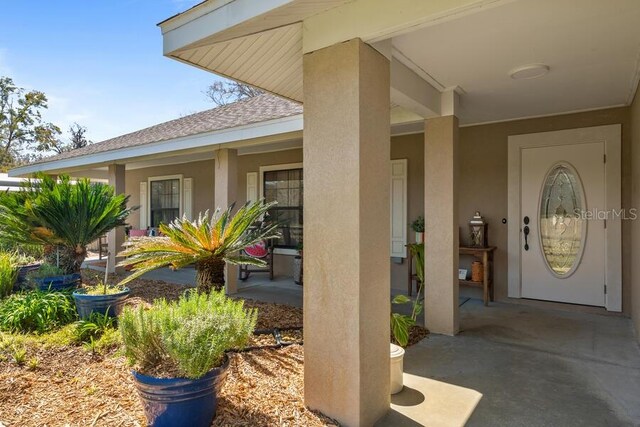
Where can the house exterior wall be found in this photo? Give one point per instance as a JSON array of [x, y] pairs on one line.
[[203, 182], [635, 202], [483, 187]]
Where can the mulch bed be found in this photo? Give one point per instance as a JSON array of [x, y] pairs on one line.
[[70, 386]]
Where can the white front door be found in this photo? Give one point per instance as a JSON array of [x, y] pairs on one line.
[[563, 245], [564, 224]]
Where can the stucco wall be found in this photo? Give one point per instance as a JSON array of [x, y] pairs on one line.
[[201, 172], [635, 201], [483, 179]]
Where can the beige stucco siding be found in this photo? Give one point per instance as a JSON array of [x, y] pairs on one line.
[[635, 202], [201, 172], [483, 185]]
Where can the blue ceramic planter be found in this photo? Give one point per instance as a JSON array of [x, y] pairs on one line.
[[58, 283], [111, 304], [180, 402]]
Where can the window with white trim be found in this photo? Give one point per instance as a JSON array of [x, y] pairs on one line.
[[164, 200], [286, 187]]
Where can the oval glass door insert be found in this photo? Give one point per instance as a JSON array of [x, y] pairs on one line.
[[562, 227]]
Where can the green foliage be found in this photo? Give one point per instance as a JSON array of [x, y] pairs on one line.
[[8, 273], [93, 327], [102, 288], [401, 324], [36, 311], [61, 214], [202, 242], [188, 337], [418, 224], [19, 354], [45, 270], [33, 363], [21, 124]]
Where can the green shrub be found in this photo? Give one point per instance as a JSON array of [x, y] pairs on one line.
[[36, 311], [103, 289], [8, 273], [185, 338], [45, 270], [94, 327]]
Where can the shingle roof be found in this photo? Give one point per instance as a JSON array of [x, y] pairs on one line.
[[247, 111]]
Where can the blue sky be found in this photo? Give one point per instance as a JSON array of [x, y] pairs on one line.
[[99, 62]]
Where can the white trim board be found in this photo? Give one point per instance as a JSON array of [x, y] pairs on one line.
[[611, 136]]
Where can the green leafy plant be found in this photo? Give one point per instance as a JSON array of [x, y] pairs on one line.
[[185, 338], [19, 355], [36, 311], [102, 288], [62, 216], [208, 242], [33, 363], [401, 324], [418, 224], [45, 270], [93, 327], [8, 273]]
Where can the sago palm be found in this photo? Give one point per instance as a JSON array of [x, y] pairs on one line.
[[208, 243], [62, 215]]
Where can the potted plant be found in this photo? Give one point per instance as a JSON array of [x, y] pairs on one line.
[[178, 353], [401, 324], [52, 278], [297, 266], [26, 263], [61, 216], [418, 226], [101, 298], [208, 242]]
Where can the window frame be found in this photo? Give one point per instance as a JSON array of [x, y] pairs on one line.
[[272, 168], [151, 179]]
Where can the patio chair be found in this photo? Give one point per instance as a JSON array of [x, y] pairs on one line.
[[262, 250]]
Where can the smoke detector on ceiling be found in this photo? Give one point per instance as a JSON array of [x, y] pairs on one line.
[[531, 71]]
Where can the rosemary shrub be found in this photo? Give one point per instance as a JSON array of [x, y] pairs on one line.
[[185, 338]]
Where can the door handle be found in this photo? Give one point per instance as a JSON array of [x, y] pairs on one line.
[[526, 232]]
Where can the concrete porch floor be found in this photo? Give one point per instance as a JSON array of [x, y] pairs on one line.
[[533, 366], [511, 365]]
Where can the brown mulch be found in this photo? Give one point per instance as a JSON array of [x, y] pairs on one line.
[[264, 387]]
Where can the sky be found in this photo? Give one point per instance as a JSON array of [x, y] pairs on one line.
[[100, 62]]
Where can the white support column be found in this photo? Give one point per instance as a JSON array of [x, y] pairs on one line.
[[226, 187], [441, 224], [346, 232], [115, 238]]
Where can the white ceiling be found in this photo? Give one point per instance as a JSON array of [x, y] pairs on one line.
[[591, 46]]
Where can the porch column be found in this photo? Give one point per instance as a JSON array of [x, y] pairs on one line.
[[346, 232], [226, 187], [441, 224], [115, 238]]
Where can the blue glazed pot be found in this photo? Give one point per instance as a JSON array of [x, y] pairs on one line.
[[111, 304], [181, 402], [58, 283]]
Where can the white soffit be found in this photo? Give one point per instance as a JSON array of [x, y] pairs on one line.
[[271, 60], [592, 48]]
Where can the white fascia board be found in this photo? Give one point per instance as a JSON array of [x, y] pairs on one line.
[[374, 20], [413, 92], [252, 131], [183, 31]]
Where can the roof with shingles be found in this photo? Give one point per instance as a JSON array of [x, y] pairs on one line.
[[258, 109]]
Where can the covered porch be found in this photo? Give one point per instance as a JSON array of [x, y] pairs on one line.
[[471, 75]]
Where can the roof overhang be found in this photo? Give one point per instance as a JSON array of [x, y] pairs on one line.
[[283, 129]]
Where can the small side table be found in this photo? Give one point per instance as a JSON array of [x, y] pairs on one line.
[[485, 255]]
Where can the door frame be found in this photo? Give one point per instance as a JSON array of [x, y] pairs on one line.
[[611, 136]]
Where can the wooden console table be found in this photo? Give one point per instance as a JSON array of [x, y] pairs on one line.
[[485, 255]]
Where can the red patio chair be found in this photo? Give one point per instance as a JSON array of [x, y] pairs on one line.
[[262, 250]]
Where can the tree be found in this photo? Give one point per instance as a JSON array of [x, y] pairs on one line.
[[21, 124], [208, 243], [62, 216], [225, 92], [77, 139]]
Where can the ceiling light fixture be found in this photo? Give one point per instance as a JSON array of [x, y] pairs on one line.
[[530, 71]]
